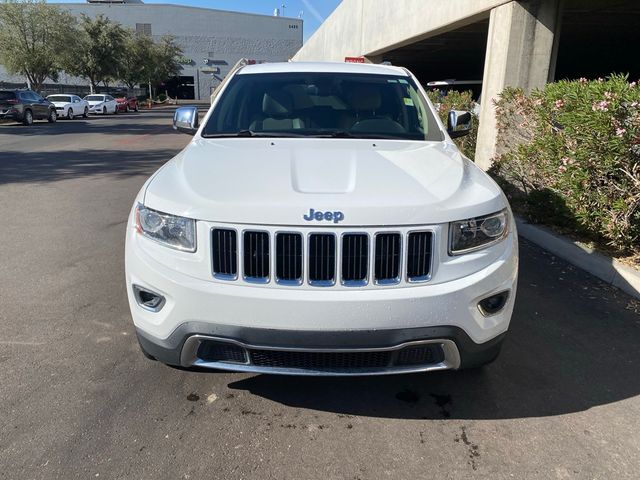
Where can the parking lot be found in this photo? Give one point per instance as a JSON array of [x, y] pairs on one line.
[[78, 399]]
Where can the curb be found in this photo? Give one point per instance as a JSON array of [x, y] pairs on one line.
[[607, 269]]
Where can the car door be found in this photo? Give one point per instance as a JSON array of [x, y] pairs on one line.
[[30, 102], [109, 103], [78, 107], [40, 105]]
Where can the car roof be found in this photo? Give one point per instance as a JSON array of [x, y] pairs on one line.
[[323, 67]]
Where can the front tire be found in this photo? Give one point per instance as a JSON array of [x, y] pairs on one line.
[[104, 110], [27, 118], [86, 112], [136, 108], [53, 116], [70, 114]]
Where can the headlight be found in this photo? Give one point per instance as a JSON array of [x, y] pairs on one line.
[[476, 233], [172, 231]]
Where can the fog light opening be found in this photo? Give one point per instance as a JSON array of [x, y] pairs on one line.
[[493, 304], [148, 299]]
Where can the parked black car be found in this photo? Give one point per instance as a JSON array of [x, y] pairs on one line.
[[26, 106]]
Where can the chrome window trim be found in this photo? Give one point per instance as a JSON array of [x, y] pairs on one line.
[[367, 278], [223, 276], [279, 281], [388, 281], [257, 280], [424, 278], [321, 283]]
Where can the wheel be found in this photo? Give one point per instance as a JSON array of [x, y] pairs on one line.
[[115, 110], [53, 116], [86, 112], [126, 109], [70, 114], [136, 108], [27, 118], [104, 110]]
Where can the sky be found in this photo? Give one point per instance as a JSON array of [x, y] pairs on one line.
[[313, 11]]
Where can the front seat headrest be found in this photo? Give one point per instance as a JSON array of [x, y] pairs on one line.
[[277, 103], [365, 98]]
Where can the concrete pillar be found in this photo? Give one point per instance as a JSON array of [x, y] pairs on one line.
[[520, 44]]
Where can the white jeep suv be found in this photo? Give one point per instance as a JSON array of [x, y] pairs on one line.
[[321, 222]]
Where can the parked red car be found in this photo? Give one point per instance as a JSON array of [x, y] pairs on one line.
[[127, 104]]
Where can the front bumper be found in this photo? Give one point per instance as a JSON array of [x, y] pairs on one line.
[[317, 321], [11, 115]]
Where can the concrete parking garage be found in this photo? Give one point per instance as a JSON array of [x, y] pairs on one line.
[[523, 43]]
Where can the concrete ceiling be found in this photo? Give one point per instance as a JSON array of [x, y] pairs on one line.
[[597, 37]]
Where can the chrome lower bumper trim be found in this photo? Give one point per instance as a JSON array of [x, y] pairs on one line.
[[189, 358]]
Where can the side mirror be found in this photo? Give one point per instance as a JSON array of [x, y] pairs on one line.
[[185, 120], [459, 123]]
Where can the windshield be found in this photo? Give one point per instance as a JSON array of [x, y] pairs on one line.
[[59, 98], [94, 98], [323, 104]]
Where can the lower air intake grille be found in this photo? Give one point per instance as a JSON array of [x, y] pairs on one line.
[[420, 355], [387, 259], [221, 352], [289, 257], [320, 360], [419, 256], [225, 253]]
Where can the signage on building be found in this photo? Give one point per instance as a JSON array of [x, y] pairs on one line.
[[354, 59]]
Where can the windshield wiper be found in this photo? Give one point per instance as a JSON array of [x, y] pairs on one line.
[[369, 136], [252, 133]]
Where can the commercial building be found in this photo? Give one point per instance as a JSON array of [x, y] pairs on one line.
[[212, 40], [520, 43]]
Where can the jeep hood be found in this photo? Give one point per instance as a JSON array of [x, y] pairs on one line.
[[277, 181]]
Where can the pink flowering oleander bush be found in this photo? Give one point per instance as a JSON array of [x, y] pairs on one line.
[[569, 156], [458, 101]]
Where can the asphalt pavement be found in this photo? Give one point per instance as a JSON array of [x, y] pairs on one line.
[[78, 399]]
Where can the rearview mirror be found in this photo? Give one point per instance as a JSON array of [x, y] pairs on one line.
[[185, 120], [459, 123]]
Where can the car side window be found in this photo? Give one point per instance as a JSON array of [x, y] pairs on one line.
[[109, 98]]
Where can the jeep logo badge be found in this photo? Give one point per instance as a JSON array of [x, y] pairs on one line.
[[335, 217]]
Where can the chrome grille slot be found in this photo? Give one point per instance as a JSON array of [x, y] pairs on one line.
[[256, 256], [225, 253], [322, 259], [355, 258], [419, 256], [387, 258], [289, 258]]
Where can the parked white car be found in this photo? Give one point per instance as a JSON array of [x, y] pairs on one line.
[[102, 104], [69, 106], [321, 222]]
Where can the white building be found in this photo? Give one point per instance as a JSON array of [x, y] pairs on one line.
[[212, 40]]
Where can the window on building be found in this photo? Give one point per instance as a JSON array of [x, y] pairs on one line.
[[143, 28]]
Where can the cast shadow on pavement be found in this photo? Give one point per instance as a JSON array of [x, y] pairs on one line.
[[34, 167], [572, 346]]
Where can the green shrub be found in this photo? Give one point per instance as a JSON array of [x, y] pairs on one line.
[[569, 155], [458, 101], [162, 97]]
